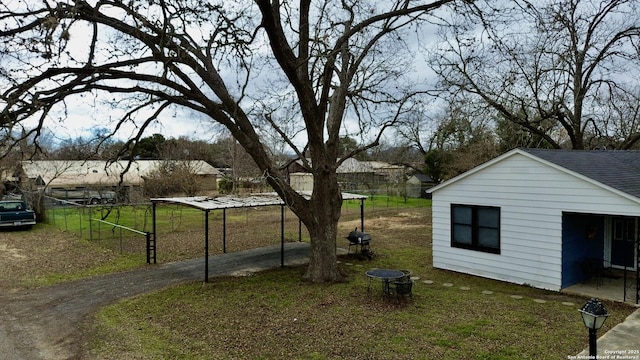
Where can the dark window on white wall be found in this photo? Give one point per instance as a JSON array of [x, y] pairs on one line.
[[475, 228]]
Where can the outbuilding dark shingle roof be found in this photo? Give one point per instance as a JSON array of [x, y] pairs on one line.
[[423, 178], [619, 169]]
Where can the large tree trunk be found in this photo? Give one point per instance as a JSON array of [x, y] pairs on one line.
[[323, 257], [322, 222]]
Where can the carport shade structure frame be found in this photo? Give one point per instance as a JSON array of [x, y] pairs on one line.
[[208, 204]]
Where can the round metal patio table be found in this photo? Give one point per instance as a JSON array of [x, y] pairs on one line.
[[384, 275]]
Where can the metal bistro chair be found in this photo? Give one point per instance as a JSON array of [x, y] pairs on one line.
[[403, 288], [407, 275], [596, 269]]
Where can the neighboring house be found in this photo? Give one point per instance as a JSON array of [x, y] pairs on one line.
[[537, 217], [417, 186], [353, 175], [379, 168], [66, 177]]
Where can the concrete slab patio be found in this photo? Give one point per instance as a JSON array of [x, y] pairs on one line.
[[611, 288]]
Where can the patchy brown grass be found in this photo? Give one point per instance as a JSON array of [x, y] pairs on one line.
[[26, 255], [276, 315], [45, 254]]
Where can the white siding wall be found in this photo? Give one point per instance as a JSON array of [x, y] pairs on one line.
[[531, 197]]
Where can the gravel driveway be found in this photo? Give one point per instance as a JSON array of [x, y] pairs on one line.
[[43, 323]]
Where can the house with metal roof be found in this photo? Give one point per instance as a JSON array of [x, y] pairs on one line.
[[66, 179], [353, 175], [550, 219]]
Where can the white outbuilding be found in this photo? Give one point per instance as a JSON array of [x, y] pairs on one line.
[[545, 218]]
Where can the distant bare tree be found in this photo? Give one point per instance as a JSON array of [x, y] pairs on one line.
[[462, 141], [620, 114], [239, 163], [173, 178], [398, 151], [417, 126], [559, 69]]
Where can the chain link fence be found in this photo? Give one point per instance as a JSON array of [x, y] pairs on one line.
[[125, 228]]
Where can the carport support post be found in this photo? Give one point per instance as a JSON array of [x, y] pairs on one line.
[[362, 215], [206, 246], [224, 231], [281, 235]]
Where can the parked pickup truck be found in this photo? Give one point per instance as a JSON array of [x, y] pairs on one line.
[[14, 213]]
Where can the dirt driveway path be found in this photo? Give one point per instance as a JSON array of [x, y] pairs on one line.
[[43, 323]]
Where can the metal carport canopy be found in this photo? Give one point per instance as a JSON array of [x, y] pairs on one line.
[[207, 203]]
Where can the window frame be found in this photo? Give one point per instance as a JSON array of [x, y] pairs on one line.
[[475, 227]]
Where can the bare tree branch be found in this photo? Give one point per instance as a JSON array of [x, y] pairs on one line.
[[230, 62]]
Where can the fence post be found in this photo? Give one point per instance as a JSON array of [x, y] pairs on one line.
[[90, 224]]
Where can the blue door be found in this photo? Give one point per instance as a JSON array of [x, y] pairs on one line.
[[623, 238], [582, 240]]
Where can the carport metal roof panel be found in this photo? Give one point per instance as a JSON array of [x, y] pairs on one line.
[[228, 202]]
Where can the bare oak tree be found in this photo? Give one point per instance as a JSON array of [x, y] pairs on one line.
[[234, 63], [561, 69]]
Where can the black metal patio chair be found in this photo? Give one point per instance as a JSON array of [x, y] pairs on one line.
[[403, 288]]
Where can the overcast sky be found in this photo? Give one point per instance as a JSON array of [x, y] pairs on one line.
[[83, 115]]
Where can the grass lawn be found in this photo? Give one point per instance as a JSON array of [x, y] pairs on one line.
[[276, 315]]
